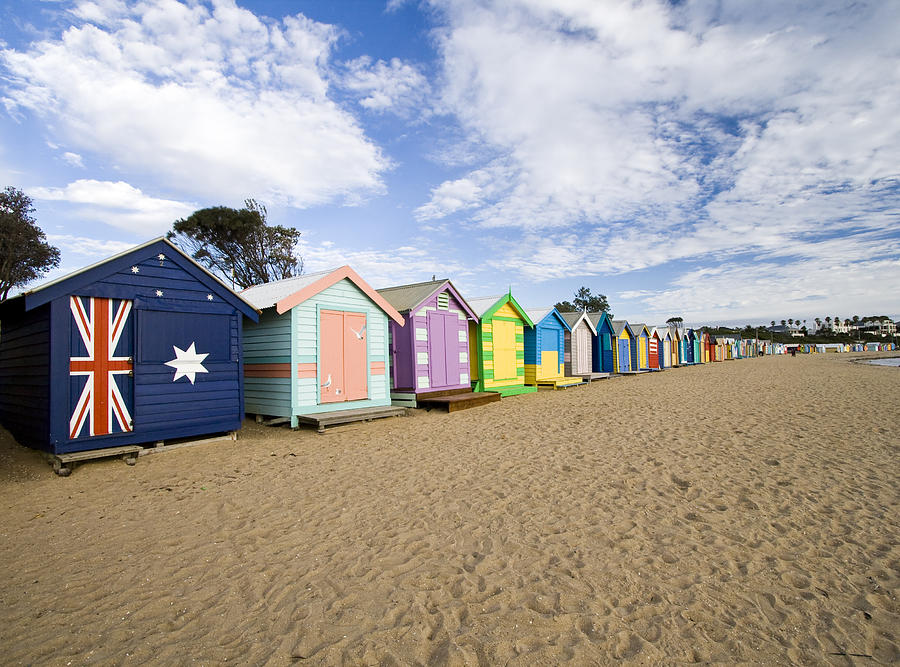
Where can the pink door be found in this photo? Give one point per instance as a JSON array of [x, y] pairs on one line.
[[343, 367], [356, 361]]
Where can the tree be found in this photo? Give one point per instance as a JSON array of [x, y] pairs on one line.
[[773, 323], [675, 320], [25, 254], [818, 323], [238, 244], [783, 322], [584, 300], [790, 322]]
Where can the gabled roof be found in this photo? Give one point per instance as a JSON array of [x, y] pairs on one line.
[[290, 292], [637, 328], [663, 331], [575, 319], [656, 331], [77, 280], [598, 318], [538, 315], [620, 325], [485, 306], [406, 298]]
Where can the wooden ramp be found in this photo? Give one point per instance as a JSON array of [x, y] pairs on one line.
[[323, 419], [456, 399], [593, 377], [63, 463], [559, 382]]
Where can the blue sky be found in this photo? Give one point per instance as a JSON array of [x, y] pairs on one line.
[[722, 161]]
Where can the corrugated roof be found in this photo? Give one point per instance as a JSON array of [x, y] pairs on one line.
[[482, 304], [268, 294], [537, 314], [572, 320], [406, 297]]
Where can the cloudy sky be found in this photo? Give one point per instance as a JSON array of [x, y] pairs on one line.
[[723, 161]]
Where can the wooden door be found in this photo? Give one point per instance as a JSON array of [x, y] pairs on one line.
[[343, 357], [443, 348], [504, 338], [583, 350], [624, 355]]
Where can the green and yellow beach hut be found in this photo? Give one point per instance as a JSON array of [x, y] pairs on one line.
[[497, 345]]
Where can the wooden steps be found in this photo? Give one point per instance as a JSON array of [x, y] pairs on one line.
[[323, 419], [560, 382], [63, 463], [592, 377], [459, 401]]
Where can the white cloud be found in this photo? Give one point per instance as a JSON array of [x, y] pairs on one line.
[[118, 204], [210, 100], [86, 247], [383, 86], [73, 159], [382, 268]]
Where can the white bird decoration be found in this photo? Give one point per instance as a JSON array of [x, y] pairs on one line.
[[359, 334], [327, 382]]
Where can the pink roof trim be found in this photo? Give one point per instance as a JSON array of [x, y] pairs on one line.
[[327, 281]]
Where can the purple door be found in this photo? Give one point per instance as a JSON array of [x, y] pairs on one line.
[[443, 348]]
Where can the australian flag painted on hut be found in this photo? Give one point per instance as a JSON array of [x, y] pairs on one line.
[[141, 347]]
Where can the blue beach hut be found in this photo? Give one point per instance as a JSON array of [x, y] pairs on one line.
[[622, 346], [545, 349], [603, 358], [144, 346]]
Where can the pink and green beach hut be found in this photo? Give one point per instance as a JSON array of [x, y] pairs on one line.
[[320, 346]]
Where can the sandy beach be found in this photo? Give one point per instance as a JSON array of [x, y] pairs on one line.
[[745, 511]]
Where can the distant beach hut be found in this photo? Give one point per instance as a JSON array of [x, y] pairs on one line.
[[640, 357], [654, 351], [430, 352], [580, 341], [698, 345], [704, 347], [320, 348], [687, 347], [665, 335], [604, 343], [141, 347], [677, 350], [545, 349], [497, 345], [622, 346]]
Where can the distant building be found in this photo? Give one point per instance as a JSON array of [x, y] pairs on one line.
[[883, 328], [788, 329]]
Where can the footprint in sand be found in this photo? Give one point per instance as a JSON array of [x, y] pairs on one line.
[[765, 602]]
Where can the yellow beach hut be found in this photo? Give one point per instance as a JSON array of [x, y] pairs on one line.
[[497, 345]]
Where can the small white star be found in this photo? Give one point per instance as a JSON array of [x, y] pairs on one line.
[[209, 297], [159, 292], [160, 257], [187, 363], [135, 269]]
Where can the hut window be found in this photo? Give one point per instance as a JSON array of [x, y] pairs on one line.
[[443, 301]]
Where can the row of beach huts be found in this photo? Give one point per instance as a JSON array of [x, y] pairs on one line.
[[149, 347]]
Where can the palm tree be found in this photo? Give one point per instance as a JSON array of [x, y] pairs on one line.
[[783, 322], [818, 323], [828, 320], [773, 323], [790, 321]]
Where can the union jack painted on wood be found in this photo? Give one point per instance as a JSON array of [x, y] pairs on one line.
[[103, 401]]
